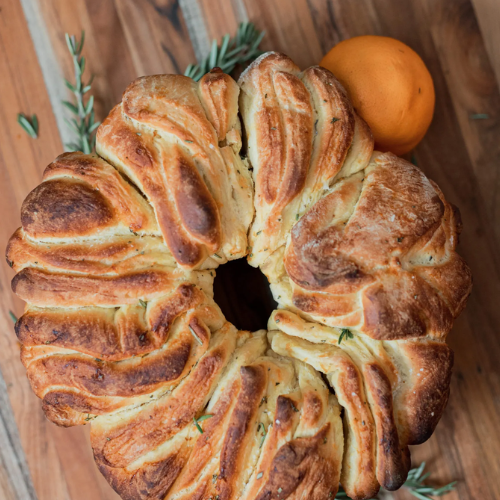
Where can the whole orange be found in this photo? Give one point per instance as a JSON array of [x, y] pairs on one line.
[[390, 88]]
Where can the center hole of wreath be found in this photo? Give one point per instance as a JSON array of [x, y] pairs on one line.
[[243, 294]]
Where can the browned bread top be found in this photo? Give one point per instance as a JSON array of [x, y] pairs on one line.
[[116, 256], [393, 394], [367, 241], [378, 254], [83, 196], [178, 141], [302, 135]]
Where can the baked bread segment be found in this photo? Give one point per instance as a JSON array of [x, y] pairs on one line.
[[83, 197], [86, 219], [273, 430], [377, 254], [113, 255], [89, 361], [393, 394], [302, 134], [367, 241], [115, 260], [179, 142]]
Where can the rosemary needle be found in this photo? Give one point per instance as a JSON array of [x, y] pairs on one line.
[[29, 126], [345, 333], [196, 422], [193, 333], [264, 433]]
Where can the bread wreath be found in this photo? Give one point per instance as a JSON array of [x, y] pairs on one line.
[[116, 256]]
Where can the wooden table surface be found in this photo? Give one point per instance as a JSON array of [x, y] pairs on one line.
[[460, 42]]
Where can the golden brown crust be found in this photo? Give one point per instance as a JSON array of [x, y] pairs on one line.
[[299, 451], [300, 129], [162, 137], [422, 399], [83, 196], [45, 289], [300, 470], [219, 96], [378, 254], [396, 390], [392, 468], [121, 329], [150, 482], [60, 207]]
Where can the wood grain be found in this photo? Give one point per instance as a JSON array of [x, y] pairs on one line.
[[16, 481], [157, 36], [489, 21], [459, 41], [289, 28], [197, 27], [23, 90], [226, 19]]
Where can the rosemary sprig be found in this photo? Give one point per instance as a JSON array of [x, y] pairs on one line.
[[345, 333], [83, 124], [415, 485], [241, 49], [196, 422], [30, 127]]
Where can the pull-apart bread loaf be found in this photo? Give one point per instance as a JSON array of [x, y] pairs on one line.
[[359, 249], [116, 258]]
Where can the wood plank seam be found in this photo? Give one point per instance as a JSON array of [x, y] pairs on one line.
[[11, 452], [196, 27], [52, 73], [241, 11]]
